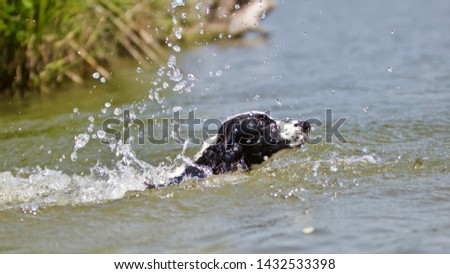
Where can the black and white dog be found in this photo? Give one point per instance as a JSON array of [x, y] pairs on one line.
[[242, 141]]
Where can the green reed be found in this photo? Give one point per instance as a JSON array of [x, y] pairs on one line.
[[44, 43]]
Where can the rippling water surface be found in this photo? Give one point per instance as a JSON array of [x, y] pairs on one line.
[[383, 66]]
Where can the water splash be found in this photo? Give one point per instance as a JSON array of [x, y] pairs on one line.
[[178, 3], [124, 171]]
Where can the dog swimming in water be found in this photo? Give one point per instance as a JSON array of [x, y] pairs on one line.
[[242, 141]]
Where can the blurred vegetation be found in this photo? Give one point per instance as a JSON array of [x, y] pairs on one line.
[[44, 42]]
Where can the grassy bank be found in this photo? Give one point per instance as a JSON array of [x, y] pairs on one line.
[[46, 42]]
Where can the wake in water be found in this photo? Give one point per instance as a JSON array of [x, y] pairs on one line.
[[32, 188]]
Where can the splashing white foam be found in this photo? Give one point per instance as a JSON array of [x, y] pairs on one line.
[[47, 187]]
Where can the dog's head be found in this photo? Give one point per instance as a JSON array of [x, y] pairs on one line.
[[295, 132]]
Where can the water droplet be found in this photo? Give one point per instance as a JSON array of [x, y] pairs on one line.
[[91, 119], [161, 71], [183, 15], [102, 80], [237, 6], [96, 75], [101, 134], [219, 72], [198, 6], [177, 3], [366, 109], [171, 63], [256, 97], [265, 158], [390, 69], [177, 108], [227, 66], [138, 69], [392, 31], [263, 15], [178, 87], [165, 85], [202, 31], [117, 111], [73, 156], [178, 33], [81, 140], [279, 102], [333, 92], [107, 104], [175, 75], [191, 77], [75, 110], [334, 168], [308, 230], [176, 48], [158, 98]]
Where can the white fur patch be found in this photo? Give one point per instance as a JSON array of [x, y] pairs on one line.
[[291, 130]]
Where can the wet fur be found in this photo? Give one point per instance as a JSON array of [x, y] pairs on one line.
[[243, 141]]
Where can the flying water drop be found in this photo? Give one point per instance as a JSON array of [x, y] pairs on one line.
[[81, 140], [178, 3], [176, 48], [117, 111], [101, 134], [177, 108]]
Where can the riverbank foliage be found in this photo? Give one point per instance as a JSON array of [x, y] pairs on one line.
[[44, 42]]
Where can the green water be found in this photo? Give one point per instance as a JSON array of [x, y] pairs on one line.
[[384, 67]]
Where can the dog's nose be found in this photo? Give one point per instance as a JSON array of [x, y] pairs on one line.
[[306, 127]]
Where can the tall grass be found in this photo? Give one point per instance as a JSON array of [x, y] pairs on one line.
[[44, 42]]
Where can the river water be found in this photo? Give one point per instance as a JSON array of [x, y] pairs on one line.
[[384, 188]]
